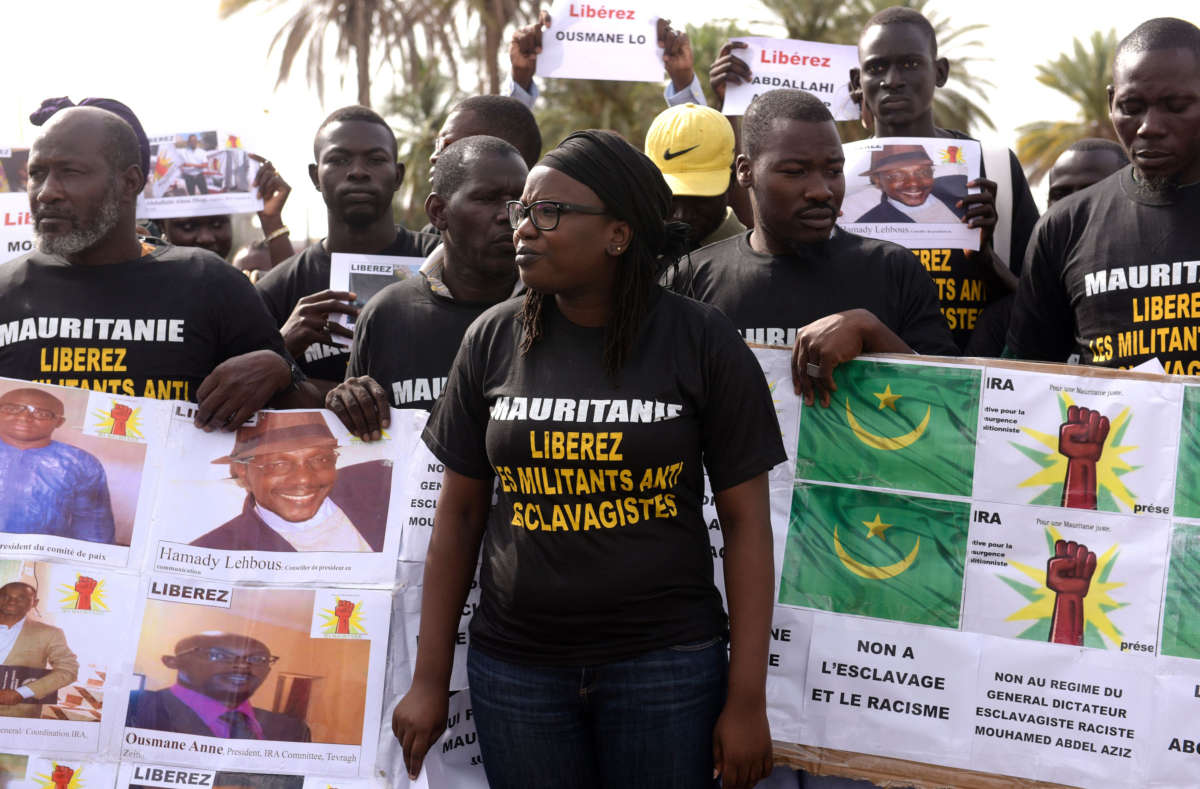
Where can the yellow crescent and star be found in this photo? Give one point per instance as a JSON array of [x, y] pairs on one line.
[[875, 528], [887, 399]]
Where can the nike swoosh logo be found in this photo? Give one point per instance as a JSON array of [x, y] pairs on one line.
[[668, 155]]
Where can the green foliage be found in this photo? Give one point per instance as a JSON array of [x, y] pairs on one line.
[[1081, 75], [417, 114], [395, 28]]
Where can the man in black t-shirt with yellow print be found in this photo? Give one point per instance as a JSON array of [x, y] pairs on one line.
[[95, 307], [899, 74], [797, 278], [1113, 273]]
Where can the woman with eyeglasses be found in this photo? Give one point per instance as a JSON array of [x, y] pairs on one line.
[[598, 653]]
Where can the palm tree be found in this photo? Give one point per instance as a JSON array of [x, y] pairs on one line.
[[494, 16], [956, 106], [417, 114], [362, 26], [1081, 75]]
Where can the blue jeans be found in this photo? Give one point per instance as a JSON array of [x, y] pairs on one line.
[[642, 723]]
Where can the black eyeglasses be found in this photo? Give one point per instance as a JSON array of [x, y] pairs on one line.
[[218, 655], [545, 213], [17, 409]]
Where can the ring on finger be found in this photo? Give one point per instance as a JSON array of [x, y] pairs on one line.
[[813, 369]]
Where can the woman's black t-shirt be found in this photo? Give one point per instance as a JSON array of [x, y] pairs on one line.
[[596, 549]]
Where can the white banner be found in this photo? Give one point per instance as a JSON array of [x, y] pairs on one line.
[[592, 40], [820, 69]]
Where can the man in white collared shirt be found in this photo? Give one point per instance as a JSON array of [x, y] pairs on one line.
[[25, 643]]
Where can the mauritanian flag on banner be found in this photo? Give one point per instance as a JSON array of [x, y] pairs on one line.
[[1181, 625], [890, 425], [875, 554]]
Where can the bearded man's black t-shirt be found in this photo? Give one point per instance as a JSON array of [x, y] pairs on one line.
[[307, 273], [406, 338], [596, 549], [770, 297], [151, 327], [1113, 275]]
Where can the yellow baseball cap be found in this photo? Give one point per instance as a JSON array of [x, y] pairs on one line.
[[693, 147]]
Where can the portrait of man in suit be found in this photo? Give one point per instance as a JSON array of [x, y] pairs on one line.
[[215, 676], [28, 644], [906, 190], [297, 499]]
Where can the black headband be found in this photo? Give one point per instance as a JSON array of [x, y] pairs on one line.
[[51, 106]]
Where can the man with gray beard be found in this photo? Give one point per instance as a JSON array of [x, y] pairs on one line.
[[1112, 274], [98, 308]]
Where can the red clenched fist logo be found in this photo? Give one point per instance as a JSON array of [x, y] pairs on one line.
[[84, 587], [342, 611], [61, 776], [120, 417], [1069, 575], [1081, 441]]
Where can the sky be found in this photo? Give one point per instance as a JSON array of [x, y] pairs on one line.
[[179, 66]]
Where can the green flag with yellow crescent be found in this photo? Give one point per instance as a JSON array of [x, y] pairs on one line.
[[1180, 625], [875, 554], [1187, 477], [904, 426]]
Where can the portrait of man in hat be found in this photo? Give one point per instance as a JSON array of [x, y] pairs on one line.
[[297, 499], [906, 189]]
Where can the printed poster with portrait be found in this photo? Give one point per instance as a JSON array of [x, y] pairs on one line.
[[62, 667], [288, 497], [77, 471], [136, 775], [907, 190], [278, 680], [16, 223], [199, 173], [43, 771], [364, 276]]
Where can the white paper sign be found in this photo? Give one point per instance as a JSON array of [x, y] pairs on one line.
[[70, 655], [1090, 443], [16, 223], [43, 771], [291, 498], [906, 190], [453, 762], [1022, 582], [315, 705], [820, 69], [364, 276], [199, 173], [594, 39], [1059, 713], [109, 450], [137, 774], [889, 689], [1173, 745]]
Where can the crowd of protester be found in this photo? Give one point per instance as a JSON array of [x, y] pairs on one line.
[[577, 286]]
